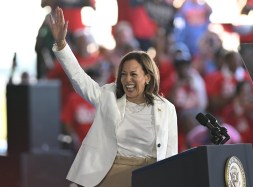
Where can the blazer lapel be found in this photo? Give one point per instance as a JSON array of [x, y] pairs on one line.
[[159, 109], [121, 102]]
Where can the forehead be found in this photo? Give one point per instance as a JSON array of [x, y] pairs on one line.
[[131, 65]]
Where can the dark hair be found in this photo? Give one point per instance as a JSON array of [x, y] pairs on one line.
[[240, 85], [149, 67], [229, 55]]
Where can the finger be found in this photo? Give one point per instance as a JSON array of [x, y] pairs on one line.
[[61, 16], [57, 15], [52, 19], [66, 25]]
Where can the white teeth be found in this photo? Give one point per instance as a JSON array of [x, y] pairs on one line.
[[129, 86]]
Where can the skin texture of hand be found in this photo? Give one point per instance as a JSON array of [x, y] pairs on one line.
[[59, 27]]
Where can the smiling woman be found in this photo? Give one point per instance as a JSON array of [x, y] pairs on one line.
[[134, 81], [127, 140]]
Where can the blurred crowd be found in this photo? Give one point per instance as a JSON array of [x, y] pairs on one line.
[[197, 74]]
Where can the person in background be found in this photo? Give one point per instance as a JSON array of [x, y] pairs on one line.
[[125, 42], [186, 122], [190, 22], [134, 126], [239, 112], [78, 114], [200, 135], [124, 37], [210, 50], [25, 78], [144, 27], [164, 61], [189, 90], [87, 59], [44, 41], [76, 29], [221, 86]]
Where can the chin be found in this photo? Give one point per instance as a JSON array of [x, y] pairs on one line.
[[129, 96]]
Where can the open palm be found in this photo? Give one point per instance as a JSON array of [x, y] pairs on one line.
[[58, 25]]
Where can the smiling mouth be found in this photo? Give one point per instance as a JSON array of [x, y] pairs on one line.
[[129, 87]]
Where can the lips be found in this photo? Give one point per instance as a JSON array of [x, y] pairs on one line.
[[130, 87]]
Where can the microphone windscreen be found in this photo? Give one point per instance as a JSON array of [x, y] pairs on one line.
[[202, 119], [211, 118]]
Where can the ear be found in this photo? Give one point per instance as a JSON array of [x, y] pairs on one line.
[[147, 78]]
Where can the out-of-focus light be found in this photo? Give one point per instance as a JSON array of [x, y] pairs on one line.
[[178, 3], [92, 48], [107, 12], [152, 52], [230, 41], [244, 19], [88, 16], [101, 21], [231, 13]]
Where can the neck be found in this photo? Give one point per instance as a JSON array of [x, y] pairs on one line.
[[136, 101]]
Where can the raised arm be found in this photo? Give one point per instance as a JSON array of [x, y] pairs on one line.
[[59, 27], [82, 83]]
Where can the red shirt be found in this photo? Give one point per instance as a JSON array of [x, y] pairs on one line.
[[167, 77], [242, 122], [66, 88], [79, 114], [74, 18], [143, 26], [219, 86], [58, 73]]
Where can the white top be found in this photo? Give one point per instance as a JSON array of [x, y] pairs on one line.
[[136, 134]]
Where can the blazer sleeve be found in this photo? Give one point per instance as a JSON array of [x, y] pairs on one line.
[[81, 82]]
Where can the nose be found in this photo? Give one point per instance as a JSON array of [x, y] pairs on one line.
[[127, 78]]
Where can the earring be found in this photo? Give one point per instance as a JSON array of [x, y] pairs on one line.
[[147, 83]]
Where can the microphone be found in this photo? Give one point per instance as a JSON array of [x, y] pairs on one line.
[[215, 131], [203, 120], [222, 129]]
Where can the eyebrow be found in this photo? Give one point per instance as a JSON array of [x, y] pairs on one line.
[[130, 71]]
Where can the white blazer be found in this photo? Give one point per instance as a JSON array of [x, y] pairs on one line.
[[99, 148]]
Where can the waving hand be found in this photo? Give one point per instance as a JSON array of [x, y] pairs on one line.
[[59, 27]]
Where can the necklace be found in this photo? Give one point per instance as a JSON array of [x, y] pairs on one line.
[[135, 108]]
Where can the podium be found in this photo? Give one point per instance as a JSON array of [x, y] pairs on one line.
[[204, 166], [33, 113]]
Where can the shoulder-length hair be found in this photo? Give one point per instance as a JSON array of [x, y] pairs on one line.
[[149, 67]]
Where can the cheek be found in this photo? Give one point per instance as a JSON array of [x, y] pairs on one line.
[[122, 80], [141, 85]]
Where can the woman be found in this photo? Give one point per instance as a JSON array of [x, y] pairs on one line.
[[133, 125]]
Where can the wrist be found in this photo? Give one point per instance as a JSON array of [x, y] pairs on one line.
[[60, 44]]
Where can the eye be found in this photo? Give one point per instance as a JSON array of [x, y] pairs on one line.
[[134, 74]]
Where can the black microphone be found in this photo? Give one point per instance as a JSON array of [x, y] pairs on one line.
[[222, 129], [203, 120], [215, 131]]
